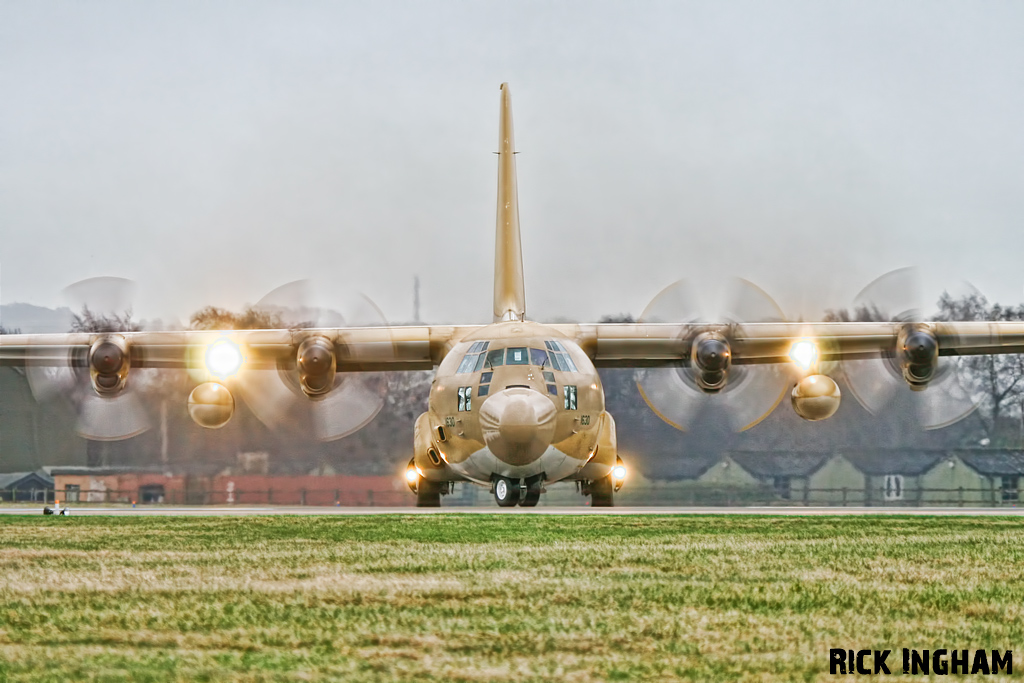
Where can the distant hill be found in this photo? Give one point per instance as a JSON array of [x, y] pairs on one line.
[[35, 319]]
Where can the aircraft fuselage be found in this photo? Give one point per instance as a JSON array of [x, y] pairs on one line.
[[515, 400]]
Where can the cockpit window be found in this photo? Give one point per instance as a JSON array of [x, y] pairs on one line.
[[474, 358], [465, 399], [570, 397], [560, 359], [538, 357], [517, 356], [496, 358]]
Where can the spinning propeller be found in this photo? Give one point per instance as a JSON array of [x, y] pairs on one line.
[[912, 370], [748, 393], [305, 392], [95, 380]]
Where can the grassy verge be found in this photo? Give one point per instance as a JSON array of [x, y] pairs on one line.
[[508, 598]]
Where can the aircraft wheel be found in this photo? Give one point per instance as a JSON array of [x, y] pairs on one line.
[[532, 496], [428, 494], [602, 493], [506, 492]]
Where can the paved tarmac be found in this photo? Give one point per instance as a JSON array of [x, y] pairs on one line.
[[242, 511]]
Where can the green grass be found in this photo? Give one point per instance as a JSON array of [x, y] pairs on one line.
[[507, 598]]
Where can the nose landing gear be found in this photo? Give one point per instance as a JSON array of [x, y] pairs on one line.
[[506, 492], [534, 485], [511, 492]]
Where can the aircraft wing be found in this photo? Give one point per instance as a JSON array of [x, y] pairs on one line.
[[609, 345], [915, 351], [330, 387], [684, 368], [359, 349], [625, 345]]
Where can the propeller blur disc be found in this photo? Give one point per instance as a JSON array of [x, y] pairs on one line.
[[49, 375], [892, 297], [110, 418], [877, 383], [107, 296], [275, 395], [751, 392], [104, 304]]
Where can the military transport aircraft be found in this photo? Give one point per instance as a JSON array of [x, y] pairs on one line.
[[516, 404]]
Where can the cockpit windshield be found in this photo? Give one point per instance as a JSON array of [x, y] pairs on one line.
[[560, 359], [478, 358], [517, 356], [474, 358]]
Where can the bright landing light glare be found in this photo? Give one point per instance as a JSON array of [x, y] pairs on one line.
[[411, 475], [619, 472], [223, 358], [804, 353]]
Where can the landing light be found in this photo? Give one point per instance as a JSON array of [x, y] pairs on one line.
[[804, 353], [619, 472], [223, 358], [411, 475]]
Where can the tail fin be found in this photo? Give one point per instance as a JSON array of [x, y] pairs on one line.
[[509, 291]]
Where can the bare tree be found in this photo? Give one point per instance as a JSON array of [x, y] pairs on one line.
[[861, 314], [997, 379], [89, 321], [213, 318]]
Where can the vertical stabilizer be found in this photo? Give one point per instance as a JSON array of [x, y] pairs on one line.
[[509, 291]]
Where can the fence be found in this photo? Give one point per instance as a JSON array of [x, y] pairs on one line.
[[148, 495], [696, 496], [712, 496]]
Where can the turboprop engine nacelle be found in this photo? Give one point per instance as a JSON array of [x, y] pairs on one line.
[[710, 356], [816, 397], [918, 354], [109, 362], [317, 366]]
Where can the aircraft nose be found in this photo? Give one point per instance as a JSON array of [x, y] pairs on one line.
[[518, 424], [518, 421]]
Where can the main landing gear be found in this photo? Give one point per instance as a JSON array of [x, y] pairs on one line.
[[511, 492], [602, 493], [428, 494]]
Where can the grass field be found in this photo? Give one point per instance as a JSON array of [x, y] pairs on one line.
[[507, 598]]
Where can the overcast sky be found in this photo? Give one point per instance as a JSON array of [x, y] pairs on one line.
[[212, 151]]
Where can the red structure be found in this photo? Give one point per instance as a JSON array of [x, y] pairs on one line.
[[104, 485]]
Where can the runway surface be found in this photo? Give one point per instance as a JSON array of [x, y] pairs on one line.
[[242, 511]]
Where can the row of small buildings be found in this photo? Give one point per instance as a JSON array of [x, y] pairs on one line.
[[141, 486], [971, 478]]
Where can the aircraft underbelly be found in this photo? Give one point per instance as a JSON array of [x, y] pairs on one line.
[[481, 465]]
